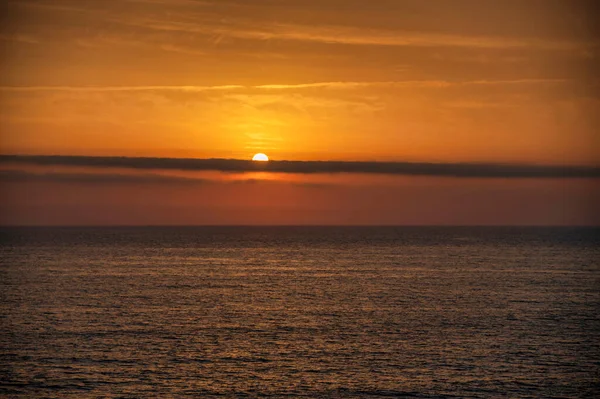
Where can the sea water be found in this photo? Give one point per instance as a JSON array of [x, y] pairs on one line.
[[340, 312]]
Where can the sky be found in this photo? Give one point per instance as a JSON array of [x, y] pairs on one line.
[[390, 112]]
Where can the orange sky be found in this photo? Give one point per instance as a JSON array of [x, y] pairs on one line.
[[389, 80]]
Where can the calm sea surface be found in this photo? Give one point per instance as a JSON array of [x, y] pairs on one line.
[[300, 311]]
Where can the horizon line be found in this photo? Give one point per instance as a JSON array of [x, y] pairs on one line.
[[232, 165]]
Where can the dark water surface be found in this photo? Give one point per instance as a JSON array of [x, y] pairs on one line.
[[293, 311]]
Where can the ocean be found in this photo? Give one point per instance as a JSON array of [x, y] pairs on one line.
[[315, 312]]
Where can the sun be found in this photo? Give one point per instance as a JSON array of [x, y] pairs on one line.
[[260, 157]]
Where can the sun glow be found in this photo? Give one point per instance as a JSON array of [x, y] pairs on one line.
[[260, 157]]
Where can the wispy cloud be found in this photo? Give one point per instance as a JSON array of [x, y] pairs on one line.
[[464, 170], [323, 85], [172, 48], [354, 36], [343, 35], [173, 2], [20, 38], [110, 41], [54, 6], [118, 88]]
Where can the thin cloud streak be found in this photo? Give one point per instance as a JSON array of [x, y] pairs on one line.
[[117, 88], [324, 85], [461, 170], [353, 36], [19, 38]]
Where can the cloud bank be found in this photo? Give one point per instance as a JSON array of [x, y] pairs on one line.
[[462, 170]]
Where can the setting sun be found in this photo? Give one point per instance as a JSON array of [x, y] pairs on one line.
[[260, 157]]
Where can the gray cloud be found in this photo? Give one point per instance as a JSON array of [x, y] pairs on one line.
[[464, 170]]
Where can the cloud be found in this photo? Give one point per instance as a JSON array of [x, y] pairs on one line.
[[462, 170], [275, 87], [86, 89], [19, 38], [345, 35], [173, 2]]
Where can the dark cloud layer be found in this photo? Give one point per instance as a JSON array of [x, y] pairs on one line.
[[466, 170]]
